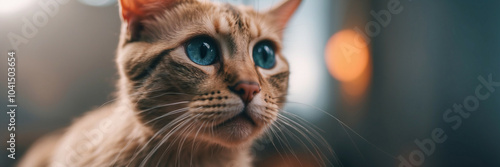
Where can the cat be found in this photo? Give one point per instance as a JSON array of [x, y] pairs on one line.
[[199, 82]]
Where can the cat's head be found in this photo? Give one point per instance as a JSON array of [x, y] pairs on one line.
[[206, 70]]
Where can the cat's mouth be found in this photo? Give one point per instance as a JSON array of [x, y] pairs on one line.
[[241, 120]]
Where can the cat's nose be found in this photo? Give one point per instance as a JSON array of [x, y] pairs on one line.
[[246, 90]]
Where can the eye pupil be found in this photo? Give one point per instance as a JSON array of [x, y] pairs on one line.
[[264, 55], [202, 51]]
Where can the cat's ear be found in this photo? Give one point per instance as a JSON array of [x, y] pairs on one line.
[[133, 11], [284, 11]]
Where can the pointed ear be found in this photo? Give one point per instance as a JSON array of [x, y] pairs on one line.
[[284, 11], [140, 8], [133, 11]]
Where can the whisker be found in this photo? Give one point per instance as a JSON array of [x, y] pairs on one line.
[[179, 148], [313, 132], [168, 114], [348, 127], [316, 134], [302, 120], [272, 142], [131, 95], [192, 146], [163, 140], [113, 163], [319, 156], [164, 105], [171, 143], [178, 119], [353, 143], [287, 143]]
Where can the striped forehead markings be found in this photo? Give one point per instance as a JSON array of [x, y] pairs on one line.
[[236, 14]]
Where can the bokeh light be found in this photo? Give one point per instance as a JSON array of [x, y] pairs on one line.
[[347, 55]]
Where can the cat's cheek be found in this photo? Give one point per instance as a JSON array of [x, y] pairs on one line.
[[261, 111]]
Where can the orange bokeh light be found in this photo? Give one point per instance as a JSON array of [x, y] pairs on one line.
[[347, 55]]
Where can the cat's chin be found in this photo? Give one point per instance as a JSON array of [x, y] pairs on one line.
[[236, 131]]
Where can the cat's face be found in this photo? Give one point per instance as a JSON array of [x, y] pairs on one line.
[[213, 72]]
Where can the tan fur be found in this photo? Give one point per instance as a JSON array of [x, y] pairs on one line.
[[169, 110]]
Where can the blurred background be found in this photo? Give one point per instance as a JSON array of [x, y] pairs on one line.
[[393, 71]]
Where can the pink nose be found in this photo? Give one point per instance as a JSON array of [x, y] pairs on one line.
[[246, 90]]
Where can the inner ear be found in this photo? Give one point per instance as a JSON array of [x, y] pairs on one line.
[[141, 8]]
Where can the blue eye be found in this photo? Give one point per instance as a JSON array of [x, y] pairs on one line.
[[202, 51], [263, 55]]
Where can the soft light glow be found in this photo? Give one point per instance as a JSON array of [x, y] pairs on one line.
[[98, 3], [347, 55], [10, 6], [357, 88]]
